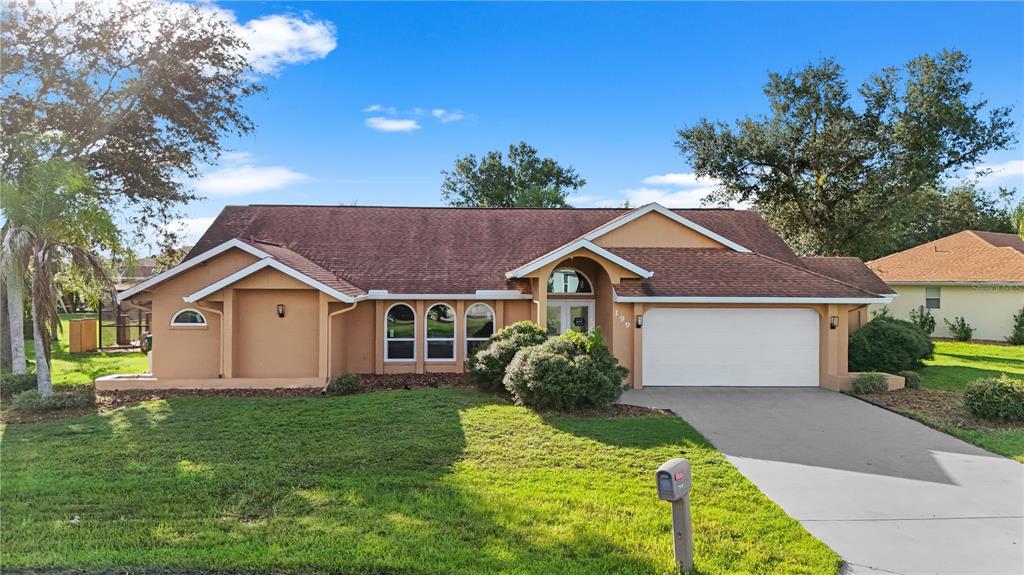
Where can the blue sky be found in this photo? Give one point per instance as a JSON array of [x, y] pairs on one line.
[[367, 103]]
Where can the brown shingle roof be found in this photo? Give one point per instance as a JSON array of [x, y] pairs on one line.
[[461, 250], [849, 270], [693, 272], [966, 256], [306, 267]]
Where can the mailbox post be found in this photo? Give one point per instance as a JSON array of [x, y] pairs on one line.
[[673, 481]]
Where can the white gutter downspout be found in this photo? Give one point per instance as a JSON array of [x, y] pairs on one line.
[[329, 341]]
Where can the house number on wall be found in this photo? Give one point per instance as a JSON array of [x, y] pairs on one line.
[[621, 317]]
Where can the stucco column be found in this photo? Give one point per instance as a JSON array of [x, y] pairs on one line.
[[499, 314], [540, 297], [460, 336], [378, 337], [323, 354], [228, 345], [421, 334], [638, 348]]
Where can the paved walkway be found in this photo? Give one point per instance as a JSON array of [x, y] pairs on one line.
[[888, 494]]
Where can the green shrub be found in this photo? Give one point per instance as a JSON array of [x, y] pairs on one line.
[[11, 385], [889, 345], [922, 317], [1000, 398], [882, 312], [345, 384], [960, 329], [66, 397], [912, 379], [572, 371], [871, 382], [487, 366], [1017, 337]]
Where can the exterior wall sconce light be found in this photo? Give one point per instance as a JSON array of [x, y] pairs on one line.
[[833, 322], [639, 321], [280, 310]]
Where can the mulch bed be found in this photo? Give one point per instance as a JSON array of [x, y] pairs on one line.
[[939, 406]]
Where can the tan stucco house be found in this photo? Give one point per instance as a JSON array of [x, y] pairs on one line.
[[278, 296], [976, 275]]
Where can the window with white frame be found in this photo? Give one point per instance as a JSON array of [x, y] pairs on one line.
[[568, 281], [400, 333], [440, 330], [932, 297], [189, 318], [479, 327]]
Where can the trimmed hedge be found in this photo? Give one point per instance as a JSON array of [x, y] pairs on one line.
[[871, 382], [889, 345], [573, 371], [345, 384], [487, 367], [65, 397], [1000, 398], [11, 385]]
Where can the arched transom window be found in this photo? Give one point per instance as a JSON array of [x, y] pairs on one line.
[[440, 333], [400, 333], [479, 327], [568, 281], [188, 318]]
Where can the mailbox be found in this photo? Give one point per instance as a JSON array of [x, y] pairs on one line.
[[673, 479], [673, 484]]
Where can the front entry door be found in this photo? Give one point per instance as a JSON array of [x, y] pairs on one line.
[[565, 315]]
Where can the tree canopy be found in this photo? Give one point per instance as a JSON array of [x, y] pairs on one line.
[[140, 92], [525, 180], [839, 177]]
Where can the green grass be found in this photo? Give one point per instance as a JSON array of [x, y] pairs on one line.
[[958, 363], [74, 368], [431, 481]]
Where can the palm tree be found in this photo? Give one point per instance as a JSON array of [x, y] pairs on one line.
[[54, 217], [14, 281]]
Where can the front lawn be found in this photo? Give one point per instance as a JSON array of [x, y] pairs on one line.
[[958, 363], [939, 401], [442, 480]]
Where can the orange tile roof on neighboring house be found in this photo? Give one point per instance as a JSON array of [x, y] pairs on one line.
[[967, 256]]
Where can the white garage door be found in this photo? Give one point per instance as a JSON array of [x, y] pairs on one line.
[[730, 347]]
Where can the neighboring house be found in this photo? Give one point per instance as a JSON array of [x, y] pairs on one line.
[[291, 295], [976, 275]]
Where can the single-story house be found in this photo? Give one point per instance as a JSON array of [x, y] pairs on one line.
[[285, 295], [975, 275]]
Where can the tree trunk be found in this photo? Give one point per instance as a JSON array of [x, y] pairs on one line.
[[5, 329], [16, 316], [43, 381]]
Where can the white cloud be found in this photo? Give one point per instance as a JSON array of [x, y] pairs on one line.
[[389, 110], [691, 198], [681, 179], [1002, 172], [382, 124], [190, 229], [238, 176], [278, 40], [446, 115]]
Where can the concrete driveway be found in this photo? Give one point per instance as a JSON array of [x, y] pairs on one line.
[[888, 494]]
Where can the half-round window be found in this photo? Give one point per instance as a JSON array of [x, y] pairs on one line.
[[479, 327], [568, 281], [440, 333], [400, 333], [188, 318]]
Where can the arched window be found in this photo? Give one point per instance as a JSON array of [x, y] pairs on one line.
[[440, 333], [479, 327], [400, 333], [189, 318], [568, 281]]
